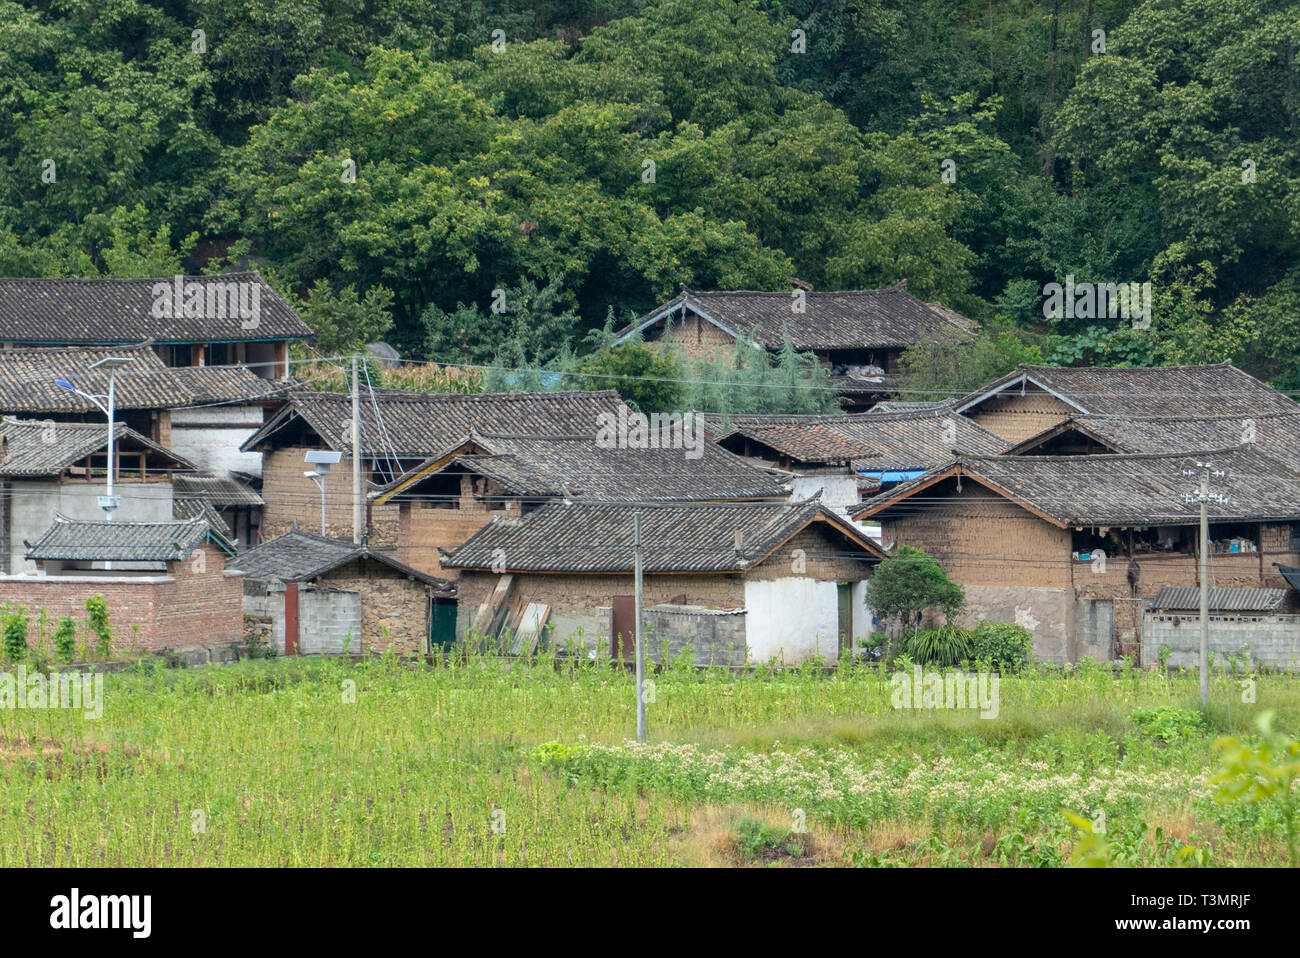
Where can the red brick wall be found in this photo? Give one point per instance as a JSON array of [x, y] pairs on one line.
[[200, 605]]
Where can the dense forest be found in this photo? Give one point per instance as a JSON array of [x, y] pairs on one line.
[[399, 165]]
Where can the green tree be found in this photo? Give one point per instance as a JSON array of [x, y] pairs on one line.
[[909, 583]]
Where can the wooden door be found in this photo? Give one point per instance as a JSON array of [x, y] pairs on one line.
[[622, 632]]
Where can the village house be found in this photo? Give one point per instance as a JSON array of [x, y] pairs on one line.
[[205, 413], [1033, 399], [735, 582], [1072, 547], [236, 319], [848, 457], [449, 496], [858, 335], [311, 595], [399, 431], [165, 584], [49, 467]]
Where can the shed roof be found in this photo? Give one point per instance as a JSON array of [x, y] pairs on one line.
[[1188, 598], [681, 537]]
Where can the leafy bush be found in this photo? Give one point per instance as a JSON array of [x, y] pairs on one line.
[[755, 837], [940, 647], [1168, 723], [97, 614], [1004, 646], [15, 633]]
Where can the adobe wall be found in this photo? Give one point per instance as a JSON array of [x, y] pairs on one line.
[[1015, 417], [290, 495], [422, 528]]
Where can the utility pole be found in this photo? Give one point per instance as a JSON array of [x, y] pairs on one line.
[[1205, 497], [639, 570], [356, 456]]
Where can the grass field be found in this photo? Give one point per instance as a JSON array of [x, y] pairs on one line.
[[322, 762]]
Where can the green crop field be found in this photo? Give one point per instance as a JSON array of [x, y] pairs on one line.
[[491, 762]]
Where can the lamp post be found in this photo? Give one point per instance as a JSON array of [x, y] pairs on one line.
[[112, 364], [322, 460]]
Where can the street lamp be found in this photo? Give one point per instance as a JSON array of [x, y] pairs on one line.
[[111, 363], [322, 459]]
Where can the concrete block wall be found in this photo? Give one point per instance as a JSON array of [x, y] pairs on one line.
[[1273, 640]]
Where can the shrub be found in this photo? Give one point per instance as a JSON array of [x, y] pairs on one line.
[[97, 614], [1168, 723], [65, 638], [1004, 646], [15, 633], [939, 647], [755, 837]]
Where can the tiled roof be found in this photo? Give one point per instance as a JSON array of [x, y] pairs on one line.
[[298, 556], [1276, 434], [417, 425], [79, 540], [184, 509], [847, 319], [211, 384], [33, 448], [1220, 600], [694, 537], [575, 466], [222, 492], [27, 380], [1217, 390], [914, 439], [105, 311], [1121, 490]]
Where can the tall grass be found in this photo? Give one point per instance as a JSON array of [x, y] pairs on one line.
[[323, 762]]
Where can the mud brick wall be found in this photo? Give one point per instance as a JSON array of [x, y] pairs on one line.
[[422, 528], [1015, 417], [815, 553], [982, 539], [290, 495], [580, 604], [697, 338]]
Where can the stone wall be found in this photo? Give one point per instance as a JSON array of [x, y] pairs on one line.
[[394, 607]]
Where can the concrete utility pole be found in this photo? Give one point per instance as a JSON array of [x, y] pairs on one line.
[[1205, 497], [1205, 588], [356, 456], [639, 569]]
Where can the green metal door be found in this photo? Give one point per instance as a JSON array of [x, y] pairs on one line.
[[442, 624]]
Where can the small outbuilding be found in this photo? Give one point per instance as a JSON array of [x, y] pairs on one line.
[[314, 595]]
